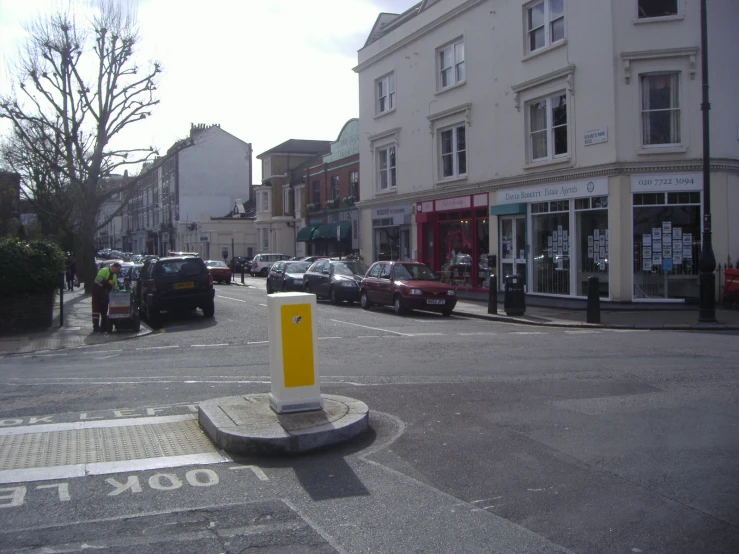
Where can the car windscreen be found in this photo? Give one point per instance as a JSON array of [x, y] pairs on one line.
[[300, 267], [216, 264], [413, 272], [354, 268], [182, 267]]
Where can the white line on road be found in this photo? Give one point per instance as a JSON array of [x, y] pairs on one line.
[[229, 298], [258, 342], [426, 334], [205, 345], [265, 305], [368, 327], [485, 333], [327, 338], [158, 347], [107, 357], [257, 471], [581, 332], [527, 333]]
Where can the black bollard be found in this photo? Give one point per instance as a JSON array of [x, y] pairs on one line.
[[242, 272], [493, 295], [61, 303], [593, 310]]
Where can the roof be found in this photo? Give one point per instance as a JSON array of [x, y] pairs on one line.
[[386, 22], [299, 146]]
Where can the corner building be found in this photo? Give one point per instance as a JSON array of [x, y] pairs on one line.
[[555, 139]]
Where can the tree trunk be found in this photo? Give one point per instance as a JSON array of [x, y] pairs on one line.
[[86, 258]]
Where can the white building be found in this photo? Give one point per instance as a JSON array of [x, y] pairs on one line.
[[557, 139], [109, 234], [200, 177]]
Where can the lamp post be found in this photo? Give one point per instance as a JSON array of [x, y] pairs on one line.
[[707, 263]]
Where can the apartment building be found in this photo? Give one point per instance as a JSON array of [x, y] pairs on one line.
[[555, 139]]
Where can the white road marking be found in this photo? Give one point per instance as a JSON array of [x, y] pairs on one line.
[[107, 357], [205, 345], [98, 424], [265, 305], [628, 330], [257, 471], [106, 351], [158, 347], [328, 338], [483, 333], [368, 327], [581, 332], [229, 298], [527, 333], [425, 335], [258, 342]]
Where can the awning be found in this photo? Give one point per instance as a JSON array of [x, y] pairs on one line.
[[306, 234], [508, 209], [329, 230]]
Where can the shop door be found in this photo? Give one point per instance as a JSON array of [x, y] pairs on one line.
[[512, 248]]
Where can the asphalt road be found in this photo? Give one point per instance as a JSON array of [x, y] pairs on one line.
[[486, 437]]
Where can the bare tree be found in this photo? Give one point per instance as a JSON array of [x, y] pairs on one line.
[[79, 87]]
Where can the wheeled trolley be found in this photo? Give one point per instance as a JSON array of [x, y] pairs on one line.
[[123, 312]]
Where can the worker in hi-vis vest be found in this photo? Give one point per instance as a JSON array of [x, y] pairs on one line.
[[105, 281]]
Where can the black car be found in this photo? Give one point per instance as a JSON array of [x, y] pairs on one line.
[[238, 262], [337, 280], [284, 276], [177, 283]]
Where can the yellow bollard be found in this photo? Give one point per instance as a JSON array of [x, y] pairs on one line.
[[295, 384]]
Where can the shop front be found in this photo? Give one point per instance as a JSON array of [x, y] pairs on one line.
[[667, 239], [391, 233], [555, 236], [454, 239], [333, 235]]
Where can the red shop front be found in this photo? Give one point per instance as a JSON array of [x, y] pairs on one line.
[[454, 239]]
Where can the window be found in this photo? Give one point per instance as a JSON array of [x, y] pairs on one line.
[[548, 128], [545, 24], [656, 8], [386, 168], [451, 65], [298, 200], [286, 201], [660, 109], [453, 150], [354, 184], [386, 93], [334, 187], [264, 238], [316, 192], [265, 202]]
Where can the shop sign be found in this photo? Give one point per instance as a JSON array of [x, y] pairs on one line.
[[558, 191], [666, 182], [204, 238], [455, 203], [596, 136], [399, 214]]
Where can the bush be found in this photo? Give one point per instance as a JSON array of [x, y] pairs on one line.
[[29, 267]]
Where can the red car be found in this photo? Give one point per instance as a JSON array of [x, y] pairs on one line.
[[219, 270], [406, 286]]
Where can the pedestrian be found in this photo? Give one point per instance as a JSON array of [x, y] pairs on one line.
[[71, 271], [105, 281]]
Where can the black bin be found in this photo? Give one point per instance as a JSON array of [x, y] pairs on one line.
[[514, 301]]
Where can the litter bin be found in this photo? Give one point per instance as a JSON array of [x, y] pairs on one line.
[[514, 301]]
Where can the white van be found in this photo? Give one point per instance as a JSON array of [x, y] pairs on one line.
[[262, 262]]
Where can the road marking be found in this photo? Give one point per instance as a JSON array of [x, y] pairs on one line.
[[257, 471], [206, 345], [106, 351], [229, 298], [107, 357], [328, 338], [486, 333], [527, 333], [158, 347], [258, 342], [425, 335], [368, 327], [581, 332], [265, 305]]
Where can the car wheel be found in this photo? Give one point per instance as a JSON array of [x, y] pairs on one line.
[[446, 313], [269, 289], [209, 309], [264, 272], [364, 301], [332, 296], [398, 305]]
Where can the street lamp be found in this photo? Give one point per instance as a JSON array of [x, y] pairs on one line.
[[707, 262]]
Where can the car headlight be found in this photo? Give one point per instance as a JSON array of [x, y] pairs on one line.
[[450, 292], [347, 284], [417, 292]]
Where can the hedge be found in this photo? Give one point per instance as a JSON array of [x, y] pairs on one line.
[[29, 267]]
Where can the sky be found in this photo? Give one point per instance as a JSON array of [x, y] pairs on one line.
[[265, 70]]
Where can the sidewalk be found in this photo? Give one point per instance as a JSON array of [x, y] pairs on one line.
[[76, 332]]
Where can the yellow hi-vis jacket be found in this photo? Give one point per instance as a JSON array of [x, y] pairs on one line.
[[106, 279]]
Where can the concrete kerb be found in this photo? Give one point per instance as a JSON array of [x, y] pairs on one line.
[[247, 425]]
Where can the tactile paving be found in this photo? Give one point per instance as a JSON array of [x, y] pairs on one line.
[[103, 444]]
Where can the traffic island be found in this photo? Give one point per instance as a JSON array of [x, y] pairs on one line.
[[248, 425]]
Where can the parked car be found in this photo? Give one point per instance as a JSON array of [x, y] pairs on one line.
[[237, 262], [219, 270], [337, 280], [262, 262], [406, 286], [176, 283], [129, 274], [285, 276], [311, 259]]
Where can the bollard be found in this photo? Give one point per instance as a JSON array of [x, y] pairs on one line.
[[242, 272], [293, 368], [61, 303], [593, 310], [493, 295]]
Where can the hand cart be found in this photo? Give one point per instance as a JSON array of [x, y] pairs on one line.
[[123, 312]]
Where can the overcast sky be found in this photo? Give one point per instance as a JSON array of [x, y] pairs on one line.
[[266, 70]]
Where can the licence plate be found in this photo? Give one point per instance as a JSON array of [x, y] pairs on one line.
[[439, 302], [185, 285]]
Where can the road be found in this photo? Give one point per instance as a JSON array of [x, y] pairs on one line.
[[486, 437]]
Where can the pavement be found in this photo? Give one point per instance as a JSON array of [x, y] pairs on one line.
[[75, 333], [546, 312]]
